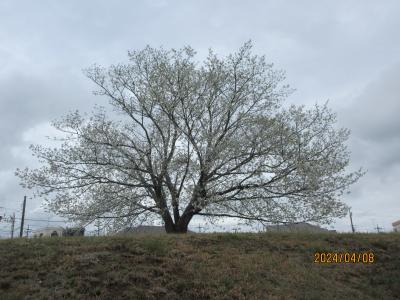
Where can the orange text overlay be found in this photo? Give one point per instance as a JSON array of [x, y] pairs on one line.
[[344, 257]]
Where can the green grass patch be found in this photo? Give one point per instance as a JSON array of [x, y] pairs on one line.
[[157, 246], [199, 266]]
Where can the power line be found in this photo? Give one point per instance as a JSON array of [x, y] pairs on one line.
[[9, 208], [39, 220], [38, 226]]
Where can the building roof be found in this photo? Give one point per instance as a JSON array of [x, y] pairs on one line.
[[303, 226], [396, 223], [144, 229], [148, 229], [56, 228]]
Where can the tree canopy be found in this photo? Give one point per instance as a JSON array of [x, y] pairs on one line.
[[211, 139]]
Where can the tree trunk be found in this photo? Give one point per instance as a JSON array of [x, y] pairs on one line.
[[176, 228], [179, 227], [168, 223]]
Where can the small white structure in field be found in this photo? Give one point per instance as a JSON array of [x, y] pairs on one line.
[[296, 227], [48, 232], [396, 226]]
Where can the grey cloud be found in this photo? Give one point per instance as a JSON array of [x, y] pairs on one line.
[[374, 120], [375, 145], [374, 114], [27, 100]]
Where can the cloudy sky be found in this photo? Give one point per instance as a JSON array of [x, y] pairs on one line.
[[347, 52]]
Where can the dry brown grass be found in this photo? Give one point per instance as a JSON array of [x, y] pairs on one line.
[[198, 266]]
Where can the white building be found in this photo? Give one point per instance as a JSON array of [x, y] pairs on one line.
[[396, 226], [48, 232], [296, 227]]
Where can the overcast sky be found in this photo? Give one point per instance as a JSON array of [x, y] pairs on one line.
[[344, 51]]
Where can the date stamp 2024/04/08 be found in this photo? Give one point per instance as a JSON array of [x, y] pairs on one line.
[[344, 257]]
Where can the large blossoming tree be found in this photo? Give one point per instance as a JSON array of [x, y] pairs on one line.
[[210, 139]]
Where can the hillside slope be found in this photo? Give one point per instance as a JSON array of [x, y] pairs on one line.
[[199, 266]]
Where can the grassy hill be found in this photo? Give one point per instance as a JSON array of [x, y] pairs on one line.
[[199, 266]]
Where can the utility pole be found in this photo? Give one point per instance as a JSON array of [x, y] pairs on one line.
[[21, 232], [27, 231], [98, 227], [200, 227], [12, 225], [378, 229], [351, 221]]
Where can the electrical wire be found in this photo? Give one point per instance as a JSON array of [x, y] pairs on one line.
[[40, 220]]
